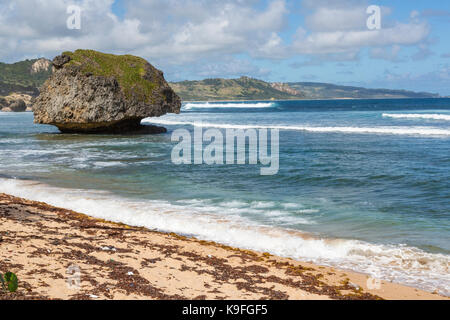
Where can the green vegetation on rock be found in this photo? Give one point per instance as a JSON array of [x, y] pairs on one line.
[[92, 92], [128, 70]]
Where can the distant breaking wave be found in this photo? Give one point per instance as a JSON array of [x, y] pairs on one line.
[[418, 116], [425, 131], [207, 105]]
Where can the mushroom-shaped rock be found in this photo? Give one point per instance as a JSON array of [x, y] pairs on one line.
[[94, 92]]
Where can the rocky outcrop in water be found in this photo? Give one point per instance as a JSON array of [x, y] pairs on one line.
[[18, 106], [8, 105], [93, 92]]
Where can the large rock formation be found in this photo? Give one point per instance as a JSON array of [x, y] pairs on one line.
[[93, 92]]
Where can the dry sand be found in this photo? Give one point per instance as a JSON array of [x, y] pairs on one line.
[[46, 246]]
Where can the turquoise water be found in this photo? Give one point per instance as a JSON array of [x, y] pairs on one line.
[[363, 185]]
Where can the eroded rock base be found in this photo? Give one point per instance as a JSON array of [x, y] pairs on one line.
[[125, 129]]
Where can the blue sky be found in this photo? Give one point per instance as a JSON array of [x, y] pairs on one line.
[[274, 40]]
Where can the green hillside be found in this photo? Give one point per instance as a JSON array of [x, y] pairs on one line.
[[243, 88], [20, 78], [314, 90], [252, 89]]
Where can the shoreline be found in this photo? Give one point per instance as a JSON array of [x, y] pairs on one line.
[[40, 242]]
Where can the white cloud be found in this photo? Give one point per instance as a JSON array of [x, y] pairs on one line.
[[326, 19], [205, 36], [191, 29], [337, 27], [230, 68], [167, 32], [437, 80], [386, 53]]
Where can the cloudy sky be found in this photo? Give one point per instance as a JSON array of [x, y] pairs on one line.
[[274, 40]]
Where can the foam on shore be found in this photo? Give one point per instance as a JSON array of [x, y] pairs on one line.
[[402, 264]]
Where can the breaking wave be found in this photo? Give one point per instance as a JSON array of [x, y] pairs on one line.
[[258, 105], [399, 263], [417, 116], [421, 131]]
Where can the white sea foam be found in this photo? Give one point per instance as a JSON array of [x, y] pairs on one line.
[[105, 164], [426, 116], [308, 211], [288, 221], [276, 213], [402, 264], [292, 205], [234, 204], [421, 131], [258, 105], [262, 204], [194, 201]]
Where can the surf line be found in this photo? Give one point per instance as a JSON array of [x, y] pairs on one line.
[[230, 149]]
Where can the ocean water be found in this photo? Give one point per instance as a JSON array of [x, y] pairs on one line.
[[363, 184]]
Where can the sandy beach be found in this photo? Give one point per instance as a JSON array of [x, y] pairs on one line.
[[49, 247]]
